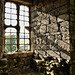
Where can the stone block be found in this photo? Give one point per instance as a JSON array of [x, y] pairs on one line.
[[65, 24], [48, 47], [42, 52], [38, 40], [38, 18], [53, 53], [65, 56], [67, 47], [64, 17], [43, 40], [42, 29], [53, 19], [38, 23], [34, 14], [38, 47], [61, 43], [34, 24], [44, 21]]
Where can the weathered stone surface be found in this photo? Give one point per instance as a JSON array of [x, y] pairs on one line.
[[19, 54], [54, 28], [42, 29]]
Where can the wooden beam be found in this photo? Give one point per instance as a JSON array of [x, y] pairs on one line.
[[27, 2]]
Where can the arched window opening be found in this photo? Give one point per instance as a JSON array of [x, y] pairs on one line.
[[10, 39], [17, 36]]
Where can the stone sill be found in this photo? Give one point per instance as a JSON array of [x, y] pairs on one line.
[[19, 54]]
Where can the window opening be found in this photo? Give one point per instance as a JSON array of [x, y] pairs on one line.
[[16, 23]]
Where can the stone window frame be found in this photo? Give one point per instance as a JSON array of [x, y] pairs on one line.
[[17, 27]]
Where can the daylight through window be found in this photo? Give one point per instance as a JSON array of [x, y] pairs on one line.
[[17, 33]]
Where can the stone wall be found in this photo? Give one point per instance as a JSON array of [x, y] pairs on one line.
[[72, 35], [18, 63], [1, 26], [50, 28]]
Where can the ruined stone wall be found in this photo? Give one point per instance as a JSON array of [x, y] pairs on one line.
[[1, 26], [50, 28]]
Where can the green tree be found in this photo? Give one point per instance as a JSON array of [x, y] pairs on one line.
[[10, 43]]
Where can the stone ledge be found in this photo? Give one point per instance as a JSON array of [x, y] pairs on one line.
[[19, 54]]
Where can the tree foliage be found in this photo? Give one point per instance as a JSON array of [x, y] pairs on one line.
[[10, 43]]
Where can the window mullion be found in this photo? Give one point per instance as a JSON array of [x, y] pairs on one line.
[[18, 27]]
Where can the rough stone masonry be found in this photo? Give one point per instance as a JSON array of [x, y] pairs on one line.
[[50, 28]]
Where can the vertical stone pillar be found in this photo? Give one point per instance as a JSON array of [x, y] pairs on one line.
[[72, 35], [1, 26]]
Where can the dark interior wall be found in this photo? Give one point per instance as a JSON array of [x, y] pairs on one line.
[[1, 26], [50, 28], [72, 35]]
